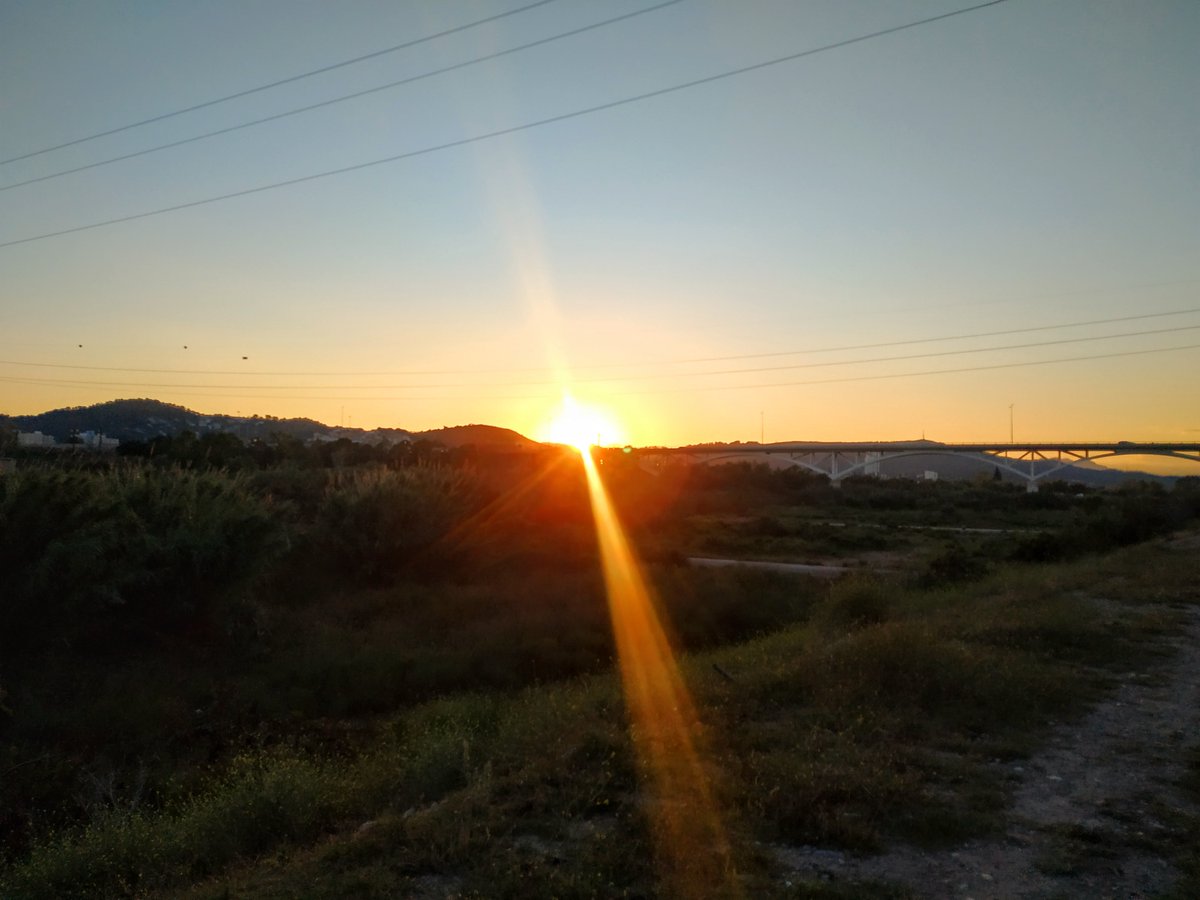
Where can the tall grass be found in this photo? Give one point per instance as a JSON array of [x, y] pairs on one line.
[[95, 556], [376, 524], [835, 730], [849, 731]]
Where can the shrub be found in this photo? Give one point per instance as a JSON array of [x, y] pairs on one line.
[[714, 606], [1137, 516], [908, 667], [953, 565], [854, 602], [260, 803], [298, 491], [1044, 547], [376, 524], [87, 555]]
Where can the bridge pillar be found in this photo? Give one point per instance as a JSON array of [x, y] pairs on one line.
[[1031, 486]]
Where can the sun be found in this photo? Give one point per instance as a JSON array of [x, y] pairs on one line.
[[580, 426]]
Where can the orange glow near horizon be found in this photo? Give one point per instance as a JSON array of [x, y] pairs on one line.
[[580, 426], [690, 839], [690, 844]]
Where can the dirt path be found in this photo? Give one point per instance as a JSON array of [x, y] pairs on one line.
[[819, 571], [1088, 811]]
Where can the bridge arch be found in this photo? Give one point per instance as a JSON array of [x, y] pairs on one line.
[[842, 460]]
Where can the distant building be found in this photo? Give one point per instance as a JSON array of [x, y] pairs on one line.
[[97, 441], [90, 439], [34, 439]]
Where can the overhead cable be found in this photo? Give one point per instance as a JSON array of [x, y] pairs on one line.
[[501, 132], [579, 368], [1014, 365], [342, 99], [653, 376], [282, 81], [680, 390]]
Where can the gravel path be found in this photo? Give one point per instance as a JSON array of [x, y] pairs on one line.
[[1087, 814], [820, 571]]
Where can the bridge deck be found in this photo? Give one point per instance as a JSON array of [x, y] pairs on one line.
[[1131, 447]]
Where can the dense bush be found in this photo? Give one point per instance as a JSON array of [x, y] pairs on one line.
[[952, 565], [89, 555], [1135, 512], [376, 524], [855, 603], [260, 801], [1140, 513]]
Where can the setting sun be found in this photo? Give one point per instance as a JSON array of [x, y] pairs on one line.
[[580, 426]]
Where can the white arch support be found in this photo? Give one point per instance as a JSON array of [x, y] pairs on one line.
[[838, 461]]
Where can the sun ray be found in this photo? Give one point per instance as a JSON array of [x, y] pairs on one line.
[[692, 847], [580, 426]]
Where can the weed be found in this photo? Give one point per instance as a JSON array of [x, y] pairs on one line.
[[855, 602]]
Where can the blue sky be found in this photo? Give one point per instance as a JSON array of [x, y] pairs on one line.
[[1027, 165]]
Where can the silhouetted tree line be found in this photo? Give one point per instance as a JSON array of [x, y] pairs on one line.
[[222, 450]]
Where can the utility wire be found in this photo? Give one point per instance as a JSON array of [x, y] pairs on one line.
[[731, 387], [342, 99], [905, 358], [290, 79], [650, 377], [581, 367], [1015, 365], [509, 370], [954, 337], [513, 129]]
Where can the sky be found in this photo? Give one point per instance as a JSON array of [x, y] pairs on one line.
[[984, 225]]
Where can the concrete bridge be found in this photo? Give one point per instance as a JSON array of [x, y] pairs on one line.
[[1030, 462]]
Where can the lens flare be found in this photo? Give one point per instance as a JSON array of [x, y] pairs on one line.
[[693, 850], [690, 843], [580, 426]]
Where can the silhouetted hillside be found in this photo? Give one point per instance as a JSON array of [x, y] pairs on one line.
[[488, 437], [140, 420], [123, 419], [130, 420]]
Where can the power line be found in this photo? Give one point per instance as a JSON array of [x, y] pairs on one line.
[[813, 365], [953, 337], [513, 129], [731, 387], [342, 99], [290, 79], [1017, 365], [514, 370], [909, 357]]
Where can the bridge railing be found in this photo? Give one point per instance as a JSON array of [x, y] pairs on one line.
[[1030, 462]]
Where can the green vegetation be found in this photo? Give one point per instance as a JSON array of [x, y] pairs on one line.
[[95, 558], [396, 679]]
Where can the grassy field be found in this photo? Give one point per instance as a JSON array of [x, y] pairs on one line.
[[432, 712]]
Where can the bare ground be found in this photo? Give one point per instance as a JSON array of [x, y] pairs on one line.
[[1092, 812]]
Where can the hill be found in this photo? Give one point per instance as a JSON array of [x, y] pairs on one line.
[[143, 419], [482, 436]]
